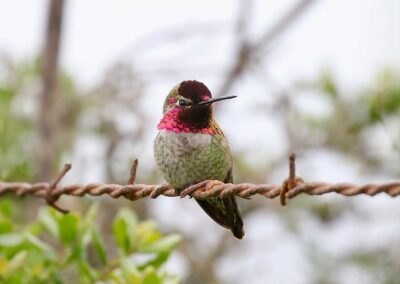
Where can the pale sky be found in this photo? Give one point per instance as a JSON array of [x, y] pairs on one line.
[[353, 37]]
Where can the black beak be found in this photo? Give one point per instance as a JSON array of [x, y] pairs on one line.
[[210, 101]]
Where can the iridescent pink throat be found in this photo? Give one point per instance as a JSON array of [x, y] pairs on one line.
[[170, 122]]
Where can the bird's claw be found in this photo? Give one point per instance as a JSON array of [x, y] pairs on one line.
[[158, 191]]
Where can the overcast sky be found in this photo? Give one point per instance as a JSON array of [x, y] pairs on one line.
[[354, 37]]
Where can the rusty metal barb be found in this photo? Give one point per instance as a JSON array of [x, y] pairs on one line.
[[132, 176], [291, 181], [52, 198]]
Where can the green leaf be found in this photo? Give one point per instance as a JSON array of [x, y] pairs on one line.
[[151, 277], [123, 229], [85, 240], [129, 217], [54, 277], [327, 83], [165, 244], [75, 254], [130, 272], [172, 279], [121, 234], [9, 240], [34, 228], [17, 261], [86, 271], [146, 233], [156, 262], [44, 248], [6, 208], [99, 246], [90, 215], [68, 228], [5, 227], [48, 221], [117, 277], [6, 95]]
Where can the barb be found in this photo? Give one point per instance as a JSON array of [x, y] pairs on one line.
[[290, 188], [132, 176], [289, 183], [50, 197]]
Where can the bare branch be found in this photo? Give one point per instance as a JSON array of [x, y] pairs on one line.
[[248, 52], [47, 120]]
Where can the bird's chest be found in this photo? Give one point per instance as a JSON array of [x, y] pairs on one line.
[[181, 148], [187, 158]]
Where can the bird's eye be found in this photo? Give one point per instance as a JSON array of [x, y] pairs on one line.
[[182, 103]]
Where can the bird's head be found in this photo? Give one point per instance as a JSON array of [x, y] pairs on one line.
[[189, 106]]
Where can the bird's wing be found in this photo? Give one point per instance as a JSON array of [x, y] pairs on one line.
[[224, 211]]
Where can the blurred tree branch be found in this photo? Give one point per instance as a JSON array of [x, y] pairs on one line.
[[47, 147], [246, 51]]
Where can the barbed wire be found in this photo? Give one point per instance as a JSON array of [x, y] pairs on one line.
[[290, 188]]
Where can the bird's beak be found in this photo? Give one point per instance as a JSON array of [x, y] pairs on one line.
[[210, 101]]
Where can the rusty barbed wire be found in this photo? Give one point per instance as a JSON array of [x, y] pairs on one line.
[[290, 188]]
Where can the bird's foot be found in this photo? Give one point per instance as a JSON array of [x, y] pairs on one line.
[[158, 191], [189, 190]]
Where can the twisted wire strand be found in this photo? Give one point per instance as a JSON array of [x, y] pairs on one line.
[[290, 188], [202, 190]]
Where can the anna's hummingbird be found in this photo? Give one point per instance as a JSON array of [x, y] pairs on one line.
[[190, 147]]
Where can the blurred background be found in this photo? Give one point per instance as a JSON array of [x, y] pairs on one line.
[[84, 82]]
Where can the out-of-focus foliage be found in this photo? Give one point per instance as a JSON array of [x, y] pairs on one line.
[[15, 127], [384, 98], [353, 121], [58, 248], [19, 92], [88, 114]]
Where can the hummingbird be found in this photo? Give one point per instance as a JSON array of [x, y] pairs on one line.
[[190, 147]]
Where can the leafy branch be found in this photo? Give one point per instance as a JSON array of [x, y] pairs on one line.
[[56, 245]]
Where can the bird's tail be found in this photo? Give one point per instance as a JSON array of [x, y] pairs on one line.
[[225, 212]]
